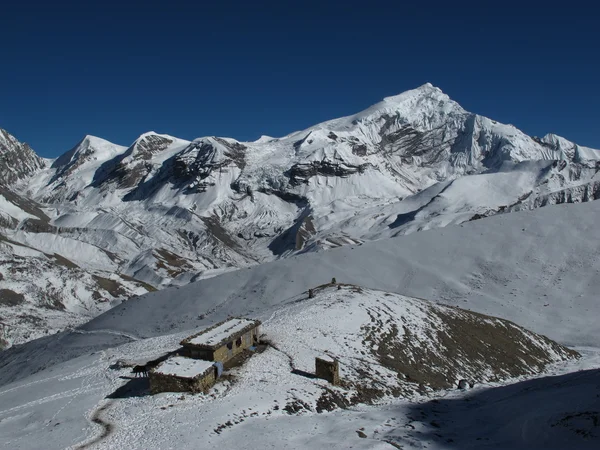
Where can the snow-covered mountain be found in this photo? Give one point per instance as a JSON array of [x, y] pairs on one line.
[[539, 268], [18, 161], [167, 211]]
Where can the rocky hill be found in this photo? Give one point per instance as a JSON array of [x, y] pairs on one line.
[[392, 345]]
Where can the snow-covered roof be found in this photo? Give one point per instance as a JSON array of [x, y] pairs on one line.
[[180, 366], [215, 336]]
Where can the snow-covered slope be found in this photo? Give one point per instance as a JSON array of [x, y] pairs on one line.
[[388, 345], [42, 291], [168, 211], [538, 268], [392, 345], [74, 170]]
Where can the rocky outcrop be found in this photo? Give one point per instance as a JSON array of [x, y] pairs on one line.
[[196, 163], [576, 194], [302, 172], [130, 168], [18, 161]]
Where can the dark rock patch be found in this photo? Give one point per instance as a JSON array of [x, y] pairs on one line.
[[11, 298]]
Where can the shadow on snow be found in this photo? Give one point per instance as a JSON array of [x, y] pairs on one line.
[[552, 412]]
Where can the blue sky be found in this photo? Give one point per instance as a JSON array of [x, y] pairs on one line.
[[242, 69]]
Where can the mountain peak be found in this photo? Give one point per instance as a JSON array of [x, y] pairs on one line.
[[570, 150], [152, 135], [148, 134], [149, 144], [88, 138], [17, 159], [90, 147], [425, 107], [264, 138], [425, 90]]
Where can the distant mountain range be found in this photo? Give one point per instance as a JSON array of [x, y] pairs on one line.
[[104, 222]]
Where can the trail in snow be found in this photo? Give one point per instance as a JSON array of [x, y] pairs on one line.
[[106, 427], [113, 332], [252, 405]]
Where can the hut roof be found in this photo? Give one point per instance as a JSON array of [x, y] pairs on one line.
[[217, 335], [181, 367]]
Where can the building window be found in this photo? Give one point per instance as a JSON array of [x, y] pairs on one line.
[[238, 343]]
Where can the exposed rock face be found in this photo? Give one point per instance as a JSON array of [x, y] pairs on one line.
[[199, 161], [18, 207], [17, 160], [89, 149], [301, 173], [130, 168], [305, 232]]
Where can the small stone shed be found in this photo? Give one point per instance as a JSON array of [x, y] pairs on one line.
[[328, 370], [179, 374], [223, 341]]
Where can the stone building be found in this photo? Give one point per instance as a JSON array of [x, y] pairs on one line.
[[179, 374], [328, 370], [222, 341]]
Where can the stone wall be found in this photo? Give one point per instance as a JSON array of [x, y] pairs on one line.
[[168, 383], [237, 346], [328, 370], [196, 353]]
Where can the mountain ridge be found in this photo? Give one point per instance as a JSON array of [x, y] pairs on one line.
[[166, 211]]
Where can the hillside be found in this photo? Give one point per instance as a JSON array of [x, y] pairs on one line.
[[392, 345], [388, 345], [536, 268], [42, 291]]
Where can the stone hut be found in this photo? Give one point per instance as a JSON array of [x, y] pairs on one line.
[[222, 341], [179, 374], [328, 370]]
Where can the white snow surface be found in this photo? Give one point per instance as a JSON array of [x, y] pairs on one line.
[[84, 254], [216, 203], [72, 405], [538, 268], [182, 367], [13, 210], [168, 211], [221, 332]]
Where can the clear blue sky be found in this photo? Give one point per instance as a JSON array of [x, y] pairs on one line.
[[243, 68]]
